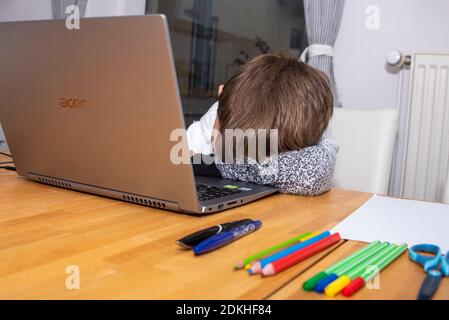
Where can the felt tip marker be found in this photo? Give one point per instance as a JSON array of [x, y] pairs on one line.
[[195, 238], [226, 237], [322, 284], [339, 284], [359, 282], [310, 283]]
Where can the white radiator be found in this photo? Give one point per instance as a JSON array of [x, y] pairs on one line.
[[426, 137]]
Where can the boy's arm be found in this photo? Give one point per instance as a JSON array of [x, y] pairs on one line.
[[307, 171], [199, 134], [303, 172]]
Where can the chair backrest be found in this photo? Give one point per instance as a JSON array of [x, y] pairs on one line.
[[366, 138]]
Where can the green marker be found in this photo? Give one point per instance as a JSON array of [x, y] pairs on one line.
[[261, 254], [323, 283], [335, 287], [310, 283], [370, 273], [360, 269]]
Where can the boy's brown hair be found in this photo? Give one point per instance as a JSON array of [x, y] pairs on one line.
[[277, 91]]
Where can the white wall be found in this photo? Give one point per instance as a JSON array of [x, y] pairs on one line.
[[407, 25]]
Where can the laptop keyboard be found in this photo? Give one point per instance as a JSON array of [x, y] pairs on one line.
[[208, 192]]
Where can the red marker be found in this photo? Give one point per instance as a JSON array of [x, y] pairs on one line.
[[300, 255]]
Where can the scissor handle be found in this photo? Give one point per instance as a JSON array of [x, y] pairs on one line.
[[427, 262], [429, 285], [445, 264]]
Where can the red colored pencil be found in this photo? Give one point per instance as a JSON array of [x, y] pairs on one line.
[[300, 255]]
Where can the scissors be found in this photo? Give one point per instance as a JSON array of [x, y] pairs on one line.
[[435, 265]]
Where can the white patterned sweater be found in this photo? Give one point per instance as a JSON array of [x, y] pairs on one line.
[[307, 171]]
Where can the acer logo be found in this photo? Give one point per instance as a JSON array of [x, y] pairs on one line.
[[72, 103]]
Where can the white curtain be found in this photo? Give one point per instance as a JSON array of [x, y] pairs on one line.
[[323, 18], [58, 7]]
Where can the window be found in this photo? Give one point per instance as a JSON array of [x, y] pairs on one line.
[[212, 38]]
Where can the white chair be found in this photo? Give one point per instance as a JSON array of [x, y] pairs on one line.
[[445, 198], [366, 138]]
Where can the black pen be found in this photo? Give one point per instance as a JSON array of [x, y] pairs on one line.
[[193, 239]]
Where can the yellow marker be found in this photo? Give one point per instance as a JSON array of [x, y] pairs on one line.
[[248, 266], [335, 287]]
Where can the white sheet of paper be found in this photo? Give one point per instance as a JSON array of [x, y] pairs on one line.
[[398, 221]]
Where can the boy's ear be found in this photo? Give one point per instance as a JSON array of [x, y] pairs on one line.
[[220, 89]]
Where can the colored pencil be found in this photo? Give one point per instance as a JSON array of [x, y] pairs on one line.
[[300, 255], [257, 266], [309, 284], [323, 283], [241, 264], [336, 286], [310, 236], [368, 274]]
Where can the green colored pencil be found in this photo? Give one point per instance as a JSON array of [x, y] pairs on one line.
[[241, 264]]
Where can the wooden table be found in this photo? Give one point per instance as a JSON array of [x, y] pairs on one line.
[[127, 251]]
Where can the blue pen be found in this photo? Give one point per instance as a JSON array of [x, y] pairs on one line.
[[259, 265], [222, 239]]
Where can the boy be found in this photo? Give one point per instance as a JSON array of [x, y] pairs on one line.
[[274, 91]]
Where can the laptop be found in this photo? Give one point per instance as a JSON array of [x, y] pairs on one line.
[[93, 110]]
